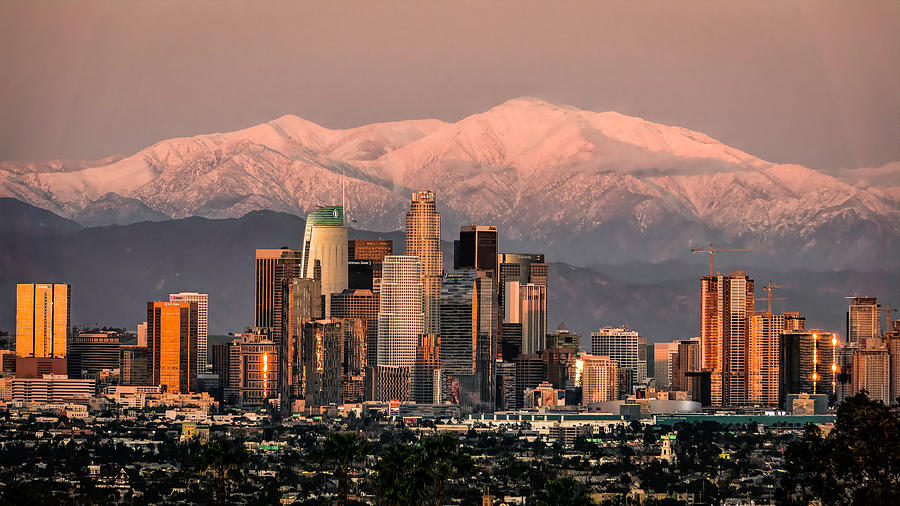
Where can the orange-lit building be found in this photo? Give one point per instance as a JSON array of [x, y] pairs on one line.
[[42, 319], [253, 369], [726, 307], [423, 240], [172, 329]]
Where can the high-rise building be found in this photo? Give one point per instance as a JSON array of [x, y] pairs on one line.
[[563, 338], [92, 352], [726, 303], [401, 319], [622, 346], [202, 301], [354, 365], [527, 305], [360, 275], [252, 369], [303, 304], [686, 359], [598, 377], [135, 365], [476, 248], [871, 369], [323, 354], [663, 358], [172, 339], [529, 374], [863, 319], [762, 356], [892, 343], [426, 380], [274, 270], [522, 269], [423, 240], [361, 305], [325, 241], [370, 249], [808, 364], [43, 319], [142, 334], [466, 323]]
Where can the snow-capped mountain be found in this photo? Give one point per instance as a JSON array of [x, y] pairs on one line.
[[582, 186]]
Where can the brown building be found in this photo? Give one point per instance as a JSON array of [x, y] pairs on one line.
[[362, 305], [871, 369], [273, 272], [135, 365], [253, 369], [685, 360], [42, 319], [172, 337], [37, 367], [370, 249], [323, 353]]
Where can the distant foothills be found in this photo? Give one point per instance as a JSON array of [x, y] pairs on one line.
[[115, 270], [582, 187]]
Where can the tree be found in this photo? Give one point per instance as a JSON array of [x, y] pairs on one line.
[[223, 458], [563, 491], [443, 460], [858, 462], [344, 450], [401, 479]]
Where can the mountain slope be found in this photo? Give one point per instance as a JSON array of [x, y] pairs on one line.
[[582, 186]]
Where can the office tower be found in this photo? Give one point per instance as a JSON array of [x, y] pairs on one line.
[[354, 365], [762, 356], [663, 357], [522, 269], [142, 334], [427, 376], [892, 343], [460, 327], [529, 374], [362, 305], [218, 354], [136, 365], [622, 346], [360, 275], [252, 369], [863, 319], [370, 249], [686, 359], [423, 240], [505, 386], [202, 301], [793, 321], [92, 352], [172, 339], [871, 369], [303, 304], [392, 383], [323, 353], [401, 318], [325, 242], [726, 303], [808, 364], [275, 268], [526, 305], [599, 378], [476, 248], [42, 319], [563, 338]]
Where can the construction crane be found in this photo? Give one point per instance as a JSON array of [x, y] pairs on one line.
[[712, 250], [769, 288], [888, 312]]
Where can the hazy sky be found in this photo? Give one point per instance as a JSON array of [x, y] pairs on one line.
[[816, 83]]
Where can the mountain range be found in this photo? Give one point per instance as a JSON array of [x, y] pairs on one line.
[[583, 187], [115, 269]]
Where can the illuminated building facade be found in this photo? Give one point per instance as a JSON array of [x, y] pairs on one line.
[[808, 363], [202, 301], [370, 249], [522, 269], [323, 353], [325, 243], [423, 240], [253, 369], [401, 317], [274, 271], [622, 346], [354, 360], [92, 352], [871, 369], [599, 378], [686, 359], [135, 365], [43, 319], [863, 319], [172, 339], [362, 305]]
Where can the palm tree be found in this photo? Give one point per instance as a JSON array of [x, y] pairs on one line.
[[344, 449], [564, 491], [223, 458], [443, 460], [401, 479]]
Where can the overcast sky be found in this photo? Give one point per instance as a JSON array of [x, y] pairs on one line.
[[816, 83]]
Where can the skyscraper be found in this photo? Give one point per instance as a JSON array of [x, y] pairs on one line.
[[476, 248], [303, 303], [522, 269], [202, 301], [252, 378], [685, 360], [92, 352], [370, 249], [323, 353], [423, 240], [362, 305], [274, 270], [726, 302], [466, 322], [622, 346], [863, 319], [401, 319], [871, 369], [325, 240], [598, 377], [762, 357], [42, 319], [808, 364], [172, 339]]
